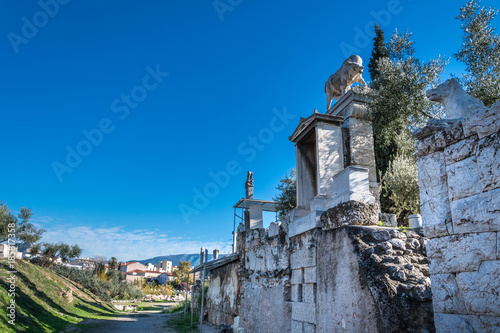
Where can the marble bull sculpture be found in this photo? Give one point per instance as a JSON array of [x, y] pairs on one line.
[[340, 82]]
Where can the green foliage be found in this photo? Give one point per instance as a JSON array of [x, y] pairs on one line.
[[379, 51], [50, 252], [287, 197], [24, 230], [182, 273], [401, 181], [114, 287], [398, 104], [480, 52], [180, 323], [112, 263], [40, 306]]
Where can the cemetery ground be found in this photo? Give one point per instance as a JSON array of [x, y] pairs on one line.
[[47, 302]]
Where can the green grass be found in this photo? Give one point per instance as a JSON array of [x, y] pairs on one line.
[[40, 306], [180, 324], [176, 308]]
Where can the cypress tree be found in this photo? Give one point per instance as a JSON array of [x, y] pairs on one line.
[[379, 51]]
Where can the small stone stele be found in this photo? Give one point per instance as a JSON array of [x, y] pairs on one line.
[[350, 213], [388, 220]]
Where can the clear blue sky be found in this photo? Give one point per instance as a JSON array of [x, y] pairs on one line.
[[204, 81]]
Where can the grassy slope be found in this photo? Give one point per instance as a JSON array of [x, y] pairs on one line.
[[39, 304]]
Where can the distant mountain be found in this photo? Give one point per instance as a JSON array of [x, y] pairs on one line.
[[175, 258]]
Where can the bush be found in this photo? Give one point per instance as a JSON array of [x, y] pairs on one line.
[[401, 182], [113, 286]]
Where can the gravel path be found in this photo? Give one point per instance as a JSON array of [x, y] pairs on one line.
[[144, 321]]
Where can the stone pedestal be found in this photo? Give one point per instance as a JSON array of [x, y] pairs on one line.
[[335, 161]]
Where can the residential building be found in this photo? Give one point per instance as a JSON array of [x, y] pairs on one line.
[[131, 266]]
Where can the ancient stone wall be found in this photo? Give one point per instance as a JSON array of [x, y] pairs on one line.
[[264, 280], [459, 176], [348, 276], [222, 296]]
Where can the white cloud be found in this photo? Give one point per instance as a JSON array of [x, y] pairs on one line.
[[127, 245]]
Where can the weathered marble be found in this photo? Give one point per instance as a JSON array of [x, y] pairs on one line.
[[488, 158], [461, 253], [463, 179], [340, 82], [457, 103], [483, 123]]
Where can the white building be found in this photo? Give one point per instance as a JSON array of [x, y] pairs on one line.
[[164, 266]]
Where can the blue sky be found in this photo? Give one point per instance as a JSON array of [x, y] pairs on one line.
[[158, 98]]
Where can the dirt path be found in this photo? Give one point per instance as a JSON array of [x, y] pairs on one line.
[[144, 321]]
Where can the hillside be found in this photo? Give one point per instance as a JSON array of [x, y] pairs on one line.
[[40, 305], [175, 258]]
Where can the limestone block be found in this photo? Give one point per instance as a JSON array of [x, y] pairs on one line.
[[461, 253], [446, 297], [435, 211], [297, 276], [330, 156], [274, 229], [484, 122], [304, 223], [309, 293], [388, 220], [305, 257], [452, 323], [481, 290], [297, 326], [305, 312], [498, 245], [431, 170], [297, 293], [460, 150], [488, 159], [309, 328], [477, 213], [434, 204], [440, 140], [310, 275], [463, 179], [350, 213]]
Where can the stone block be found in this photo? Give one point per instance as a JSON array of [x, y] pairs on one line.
[[274, 229], [388, 220], [461, 253], [305, 257], [476, 213], [297, 326], [498, 245], [431, 170], [488, 157], [297, 276], [460, 150], [435, 211], [445, 136], [310, 275], [480, 290], [297, 293], [484, 122], [304, 312], [463, 179], [309, 328], [446, 297], [309, 293], [452, 323], [304, 223]]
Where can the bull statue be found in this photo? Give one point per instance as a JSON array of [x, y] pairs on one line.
[[456, 102], [340, 82]]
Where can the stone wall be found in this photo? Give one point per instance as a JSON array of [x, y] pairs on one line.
[[347, 276], [459, 176], [264, 280], [222, 296]]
